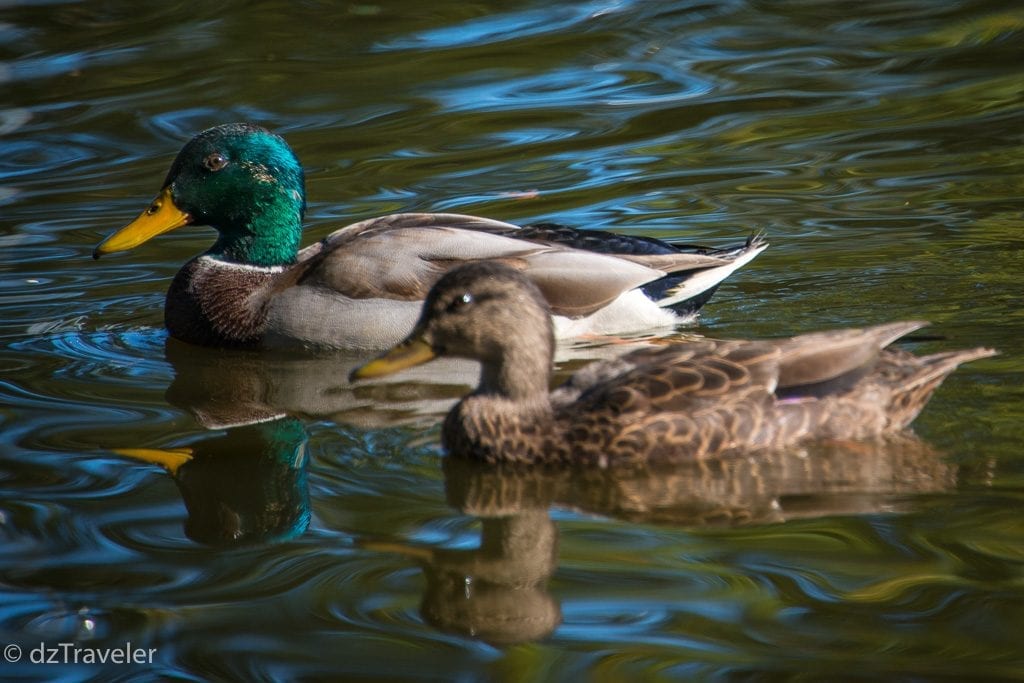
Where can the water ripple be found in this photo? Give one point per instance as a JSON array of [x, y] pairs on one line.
[[114, 357], [566, 87], [507, 26]]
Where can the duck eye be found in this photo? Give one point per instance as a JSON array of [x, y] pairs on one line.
[[215, 161], [460, 302]]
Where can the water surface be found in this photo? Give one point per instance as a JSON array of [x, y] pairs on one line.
[[254, 517]]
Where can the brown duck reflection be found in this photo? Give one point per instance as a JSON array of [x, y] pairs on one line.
[[498, 592], [822, 478]]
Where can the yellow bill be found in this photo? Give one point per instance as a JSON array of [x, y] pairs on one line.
[[409, 353], [168, 458], [161, 216]]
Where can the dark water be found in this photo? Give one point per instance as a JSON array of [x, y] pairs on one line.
[[315, 532]]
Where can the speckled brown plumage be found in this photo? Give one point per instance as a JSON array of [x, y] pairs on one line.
[[679, 402]]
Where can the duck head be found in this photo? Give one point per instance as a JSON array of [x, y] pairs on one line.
[[484, 311], [240, 179]]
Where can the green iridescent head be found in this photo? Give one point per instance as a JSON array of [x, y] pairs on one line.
[[238, 178]]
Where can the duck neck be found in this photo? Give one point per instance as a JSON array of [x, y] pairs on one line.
[[521, 374], [269, 236]]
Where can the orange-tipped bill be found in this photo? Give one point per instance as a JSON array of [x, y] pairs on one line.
[[161, 216], [409, 353]]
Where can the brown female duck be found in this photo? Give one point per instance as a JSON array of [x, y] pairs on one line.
[[677, 402], [362, 286]]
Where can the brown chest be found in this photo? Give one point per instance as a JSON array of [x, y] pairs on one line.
[[213, 303]]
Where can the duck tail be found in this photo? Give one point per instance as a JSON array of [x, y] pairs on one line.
[[686, 292], [913, 392]]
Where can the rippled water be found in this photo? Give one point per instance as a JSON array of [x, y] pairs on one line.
[[255, 517]]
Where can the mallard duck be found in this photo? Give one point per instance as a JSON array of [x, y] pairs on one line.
[[681, 401], [361, 287]]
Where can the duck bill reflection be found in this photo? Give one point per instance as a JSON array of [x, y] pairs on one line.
[[170, 459], [161, 216], [409, 353]]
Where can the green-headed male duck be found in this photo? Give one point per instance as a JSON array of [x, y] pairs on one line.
[[680, 401], [361, 287]]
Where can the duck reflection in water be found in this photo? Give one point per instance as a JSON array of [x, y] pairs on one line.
[[244, 478], [498, 592], [244, 485]]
